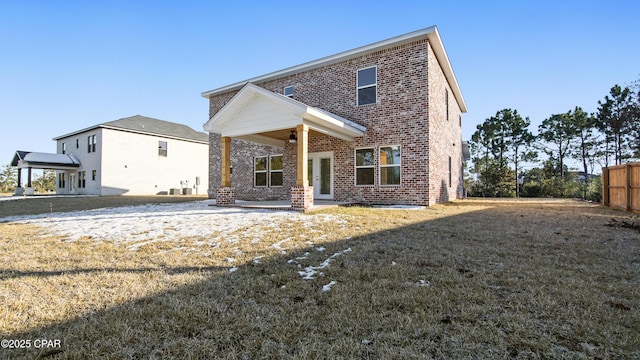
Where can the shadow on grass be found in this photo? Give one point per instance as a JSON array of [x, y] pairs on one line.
[[8, 273], [493, 283]]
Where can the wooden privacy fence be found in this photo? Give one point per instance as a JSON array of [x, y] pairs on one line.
[[621, 186]]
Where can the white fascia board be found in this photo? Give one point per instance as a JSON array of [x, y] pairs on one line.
[[443, 59], [328, 129], [336, 120], [76, 132], [395, 41], [431, 33], [244, 97]]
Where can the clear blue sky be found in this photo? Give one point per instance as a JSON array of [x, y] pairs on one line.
[[67, 65]]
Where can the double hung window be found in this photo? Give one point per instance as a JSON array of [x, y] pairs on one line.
[[162, 148], [390, 165], [275, 170], [91, 143], [367, 85], [365, 166], [260, 171]]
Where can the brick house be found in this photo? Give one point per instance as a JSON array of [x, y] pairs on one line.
[[379, 124]]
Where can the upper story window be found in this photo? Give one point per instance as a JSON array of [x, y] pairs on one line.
[[288, 91], [77, 143], [367, 83], [64, 148], [162, 148], [91, 143]]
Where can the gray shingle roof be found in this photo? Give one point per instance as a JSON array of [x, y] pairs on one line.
[[147, 125]]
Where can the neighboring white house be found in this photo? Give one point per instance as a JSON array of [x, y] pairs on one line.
[[135, 156]]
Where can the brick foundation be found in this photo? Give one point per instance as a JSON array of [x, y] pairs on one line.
[[301, 198], [225, 196]]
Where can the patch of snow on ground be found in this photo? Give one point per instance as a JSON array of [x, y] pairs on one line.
[[310, 271], [327, 287], [144, 224]]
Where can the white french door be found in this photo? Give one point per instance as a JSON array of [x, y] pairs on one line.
[[321, 174]]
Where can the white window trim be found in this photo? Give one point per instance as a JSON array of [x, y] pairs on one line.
[[265, 171], [366, 86], [161, 149], [356, 167], [272, 171], [380, 165]]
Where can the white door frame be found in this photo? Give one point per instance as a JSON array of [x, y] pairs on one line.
[[314, 180]]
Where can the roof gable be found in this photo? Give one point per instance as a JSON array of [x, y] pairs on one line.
[[254, 111], [430, 33]]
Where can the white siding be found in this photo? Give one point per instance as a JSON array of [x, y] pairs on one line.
[[260, 117], [128, 163], [132, 166], [89, 161]]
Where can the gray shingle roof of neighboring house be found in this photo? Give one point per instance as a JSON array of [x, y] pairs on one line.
[[146, 125]]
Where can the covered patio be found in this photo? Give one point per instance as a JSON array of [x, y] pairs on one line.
[[258, 115], [36, 160]]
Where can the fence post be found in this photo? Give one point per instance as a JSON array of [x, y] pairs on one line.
[[628, 187], [605, 186]]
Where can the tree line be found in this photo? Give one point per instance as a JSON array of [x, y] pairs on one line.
[[44, 182], [504, 142]]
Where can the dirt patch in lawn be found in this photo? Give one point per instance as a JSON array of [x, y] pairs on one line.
[[468, 279]]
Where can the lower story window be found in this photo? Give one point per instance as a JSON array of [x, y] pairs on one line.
[[94, 175], [82, 179], [62, 180], [275, 170], [365, 166], [260, 171], [390, 165]]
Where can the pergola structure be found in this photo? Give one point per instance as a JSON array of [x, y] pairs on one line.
[[261, 116], [35, 160]]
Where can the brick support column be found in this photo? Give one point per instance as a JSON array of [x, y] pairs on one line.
[[225, 196], [301, 198]]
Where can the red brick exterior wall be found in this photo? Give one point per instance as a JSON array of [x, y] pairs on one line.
[[409, 112], [301, 198], [445, 138]]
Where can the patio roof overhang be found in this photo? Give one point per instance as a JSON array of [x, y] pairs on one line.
[[261, 116], [37, 160]]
